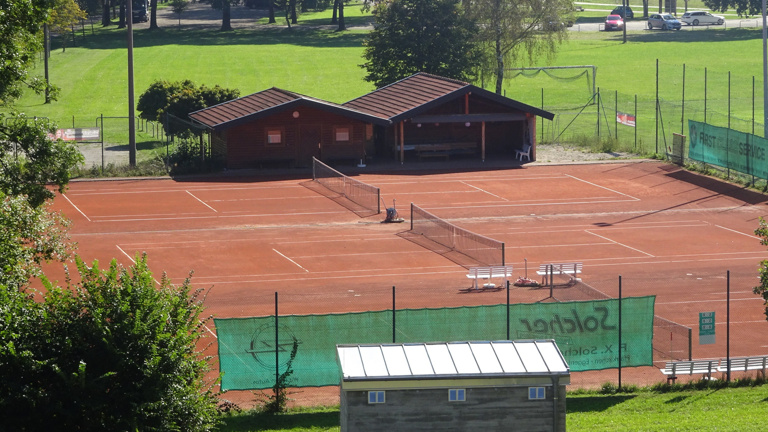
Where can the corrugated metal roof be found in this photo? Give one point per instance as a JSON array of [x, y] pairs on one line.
[[451, 359], [268, 102], [418, 93]]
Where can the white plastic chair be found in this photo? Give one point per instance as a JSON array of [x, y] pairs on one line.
[[526, 151]]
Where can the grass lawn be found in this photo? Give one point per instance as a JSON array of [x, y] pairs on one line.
[[323, 63], [739, 409]]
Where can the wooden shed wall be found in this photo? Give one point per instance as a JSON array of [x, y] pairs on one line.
[[311, 134], [485, 409]]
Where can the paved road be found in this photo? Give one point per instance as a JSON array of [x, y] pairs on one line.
[[642, 24]]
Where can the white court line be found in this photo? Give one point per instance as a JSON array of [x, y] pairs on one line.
[[125, 253], [484, 191], [738, 232], [146, 219], [201, 201], [76, 208], [527, 204], [620, 244], [297, 264], [603, 187], [210, 331]]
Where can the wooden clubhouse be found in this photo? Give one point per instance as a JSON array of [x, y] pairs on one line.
[[422, 116]]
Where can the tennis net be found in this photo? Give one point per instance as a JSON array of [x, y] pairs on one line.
[[356, 191], [483, 250]]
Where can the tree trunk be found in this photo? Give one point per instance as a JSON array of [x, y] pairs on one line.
[[342, 25], [153, 15], [499, 61], [105, 21], [294, 18], [226, 16], [121, 22], [272, 19], [334, 20]]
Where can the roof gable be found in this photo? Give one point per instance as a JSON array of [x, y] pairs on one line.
[[269, 102], [418, 93]]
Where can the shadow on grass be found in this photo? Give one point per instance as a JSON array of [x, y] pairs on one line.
[[113, 38], [595, 403], [253, 421]]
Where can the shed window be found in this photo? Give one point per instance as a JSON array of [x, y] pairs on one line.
[[457, 395], [536, 393], [376, 397], [274, 136], [342, 135]]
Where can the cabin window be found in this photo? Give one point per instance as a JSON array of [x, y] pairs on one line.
[[376, 397], [457, 395], [536, 393], [342, 135], [274, 137]]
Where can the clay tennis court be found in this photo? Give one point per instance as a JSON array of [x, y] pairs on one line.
[[666, 231]]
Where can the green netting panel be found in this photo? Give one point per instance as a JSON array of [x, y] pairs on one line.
[[586, 332], [739, 151]]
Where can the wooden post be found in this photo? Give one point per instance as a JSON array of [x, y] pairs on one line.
[[482, 142], [402, 142]]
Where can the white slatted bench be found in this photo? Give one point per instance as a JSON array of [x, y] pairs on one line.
[[744, 364], [545, 270], [705, 367], [488, 273]]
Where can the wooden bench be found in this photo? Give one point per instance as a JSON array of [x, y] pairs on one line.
[[558, 269], [441, 149], [705, 367], [487, 273], [743, 364]]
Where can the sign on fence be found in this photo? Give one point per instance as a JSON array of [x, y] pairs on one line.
[[739, 151], [625, 119], [78, 134], [706, 328], [250, 349]]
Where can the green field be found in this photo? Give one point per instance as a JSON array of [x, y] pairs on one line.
[[323, 63], [728, 409]]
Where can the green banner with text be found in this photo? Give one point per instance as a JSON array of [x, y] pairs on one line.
[[727, 148], [252, 350]]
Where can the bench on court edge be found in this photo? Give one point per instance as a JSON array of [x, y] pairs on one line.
[[744, 364], [551, 269], [690, 367], [488, 273]]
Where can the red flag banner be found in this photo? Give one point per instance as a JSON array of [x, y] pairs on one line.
[[625, 119]]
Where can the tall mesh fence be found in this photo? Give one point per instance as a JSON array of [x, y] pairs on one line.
[[253, 350]]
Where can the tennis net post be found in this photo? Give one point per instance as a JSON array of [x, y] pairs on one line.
[[360, 193]]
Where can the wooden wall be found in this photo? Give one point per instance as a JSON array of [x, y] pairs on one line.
[[485, 409]]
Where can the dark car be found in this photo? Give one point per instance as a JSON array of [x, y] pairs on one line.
[[614, 22], [139, 10], [664, 22], [623, 11]]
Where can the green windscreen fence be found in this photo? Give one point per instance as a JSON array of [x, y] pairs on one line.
[[253, 350], [728, 148]]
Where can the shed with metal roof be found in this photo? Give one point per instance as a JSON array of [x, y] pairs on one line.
[[453, 386]]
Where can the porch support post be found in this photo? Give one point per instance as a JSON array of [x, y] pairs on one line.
[[402, 142], [482, 142], [532, 134]]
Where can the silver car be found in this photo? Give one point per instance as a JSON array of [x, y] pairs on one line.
[[701, 18]]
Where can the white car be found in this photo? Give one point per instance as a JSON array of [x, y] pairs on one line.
[[701, 18]]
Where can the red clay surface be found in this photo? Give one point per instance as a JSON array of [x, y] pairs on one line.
[[665, 231]]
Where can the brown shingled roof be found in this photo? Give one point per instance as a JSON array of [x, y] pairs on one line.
[[416, 94], [269, 102]]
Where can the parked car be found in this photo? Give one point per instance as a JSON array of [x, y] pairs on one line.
[[614, 22], [623, 11], [701, 17], [664, 22]]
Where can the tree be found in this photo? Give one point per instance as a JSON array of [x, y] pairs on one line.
[[177, 6], [226, 15], [63, 16], [743, 7], [153, 14], [112, 352], [762, 289], [411, 36], [520, 30]]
